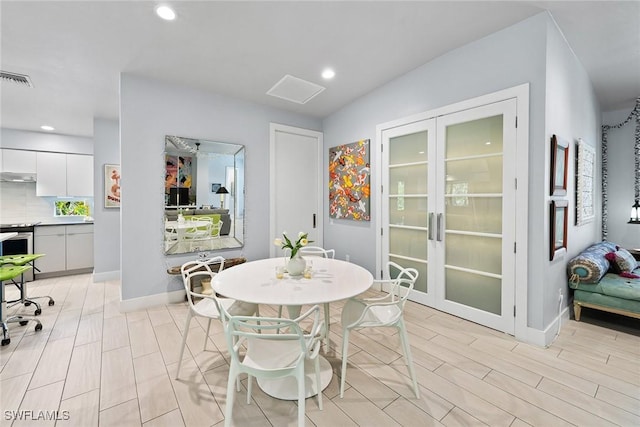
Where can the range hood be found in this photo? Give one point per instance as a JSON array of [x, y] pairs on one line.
[[17, 177]]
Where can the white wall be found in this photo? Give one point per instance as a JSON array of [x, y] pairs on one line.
[[41, 141], [106, 229], [620, 181], [572, 112], [149, 110]]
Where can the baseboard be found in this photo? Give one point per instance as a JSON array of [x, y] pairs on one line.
[[106, 276], [546, 337], [151, 301]]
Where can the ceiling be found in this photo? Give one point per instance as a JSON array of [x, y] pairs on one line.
[[74, 51]]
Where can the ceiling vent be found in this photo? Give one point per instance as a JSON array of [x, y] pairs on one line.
[[20, 79], [295, 90]]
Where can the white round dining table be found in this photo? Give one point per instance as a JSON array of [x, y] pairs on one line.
[[256, 282]]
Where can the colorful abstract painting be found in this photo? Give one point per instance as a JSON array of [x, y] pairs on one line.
[[349, 188]]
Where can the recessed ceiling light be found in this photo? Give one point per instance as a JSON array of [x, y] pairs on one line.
[[166, 13], [47, 127], [328, 73], [487, 143]]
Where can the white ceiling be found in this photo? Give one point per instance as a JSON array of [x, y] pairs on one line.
[[74, 51]]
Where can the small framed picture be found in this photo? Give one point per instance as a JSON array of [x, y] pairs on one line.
[[559, 166], [111, 186], [215, 187], [558, 227]]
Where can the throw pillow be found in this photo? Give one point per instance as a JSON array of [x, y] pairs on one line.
[[625, 261], [611, 257]]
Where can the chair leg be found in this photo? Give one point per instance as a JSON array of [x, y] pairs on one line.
[[301, 394], [327, 323], [249, 388], [184, 342], [228, 411], [407, 356], [343, 372], [206, 336]]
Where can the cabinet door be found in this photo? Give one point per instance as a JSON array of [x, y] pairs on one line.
[[79, 175], [18, 161], [79, 247], [52, 174], [52, 243]]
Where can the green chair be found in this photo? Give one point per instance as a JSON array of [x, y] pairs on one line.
[[20, 261], [10, 273]]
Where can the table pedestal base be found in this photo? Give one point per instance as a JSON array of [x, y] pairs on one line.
[[287, 388]]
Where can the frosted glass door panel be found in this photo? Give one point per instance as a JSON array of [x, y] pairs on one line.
[[481, 292], [409, 148], [475, 138], [411, 211], [477, 214], [480, 175], [410, 179], [421, 283], [473, 204], [474, 253], [408, 242]]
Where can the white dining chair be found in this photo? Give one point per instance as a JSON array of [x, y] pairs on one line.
[[200, 232], [317, 251], [381, 312], [207, 305], [256, 350]]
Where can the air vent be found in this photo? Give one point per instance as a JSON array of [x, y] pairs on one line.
[[20, 79], [295, 89]]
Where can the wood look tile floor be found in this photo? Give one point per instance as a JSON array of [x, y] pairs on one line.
[[96, 366]]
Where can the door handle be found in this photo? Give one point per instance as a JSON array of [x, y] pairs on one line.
[[440, 224], [430, 225], [314, 220]]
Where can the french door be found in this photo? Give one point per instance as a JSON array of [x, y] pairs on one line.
[[449, 210]]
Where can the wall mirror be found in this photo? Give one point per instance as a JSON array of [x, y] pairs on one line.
[[203, 195]]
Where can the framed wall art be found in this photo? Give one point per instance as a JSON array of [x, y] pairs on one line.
[[585, 177], [558, 227], [111, 186], [559, 166], [349, 188]]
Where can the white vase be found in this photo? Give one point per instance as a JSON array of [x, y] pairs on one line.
[[296, 265]]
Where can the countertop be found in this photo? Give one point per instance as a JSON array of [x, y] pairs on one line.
[[48, 223]]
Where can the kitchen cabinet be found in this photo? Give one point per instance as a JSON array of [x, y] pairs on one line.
[[17, 161], [67, 247], [64, 175]]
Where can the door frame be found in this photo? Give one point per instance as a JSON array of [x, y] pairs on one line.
[[273, 129], [521, 94]]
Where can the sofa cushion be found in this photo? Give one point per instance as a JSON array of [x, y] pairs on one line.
[[591, 264], [625, 261]]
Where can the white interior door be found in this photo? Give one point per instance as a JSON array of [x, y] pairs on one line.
[[475, 213], [296, 183]]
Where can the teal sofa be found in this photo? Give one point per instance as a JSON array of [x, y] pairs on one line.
[[598, 283]]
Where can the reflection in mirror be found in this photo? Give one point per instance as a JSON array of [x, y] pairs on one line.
[[203, 195]]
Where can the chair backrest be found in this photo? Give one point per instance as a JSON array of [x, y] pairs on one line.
[[197, 269], [404, 280], [318, 251], [239, 329], [215, 229]]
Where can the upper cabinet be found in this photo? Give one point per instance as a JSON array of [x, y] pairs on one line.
[[18, 161], [62, 174]]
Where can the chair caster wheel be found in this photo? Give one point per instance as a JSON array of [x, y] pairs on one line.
[[37, 312], [27, 304], [39, 327], [51, 302], [23, 322], [6, 341]]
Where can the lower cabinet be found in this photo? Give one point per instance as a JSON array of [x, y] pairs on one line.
[[67, 247]]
